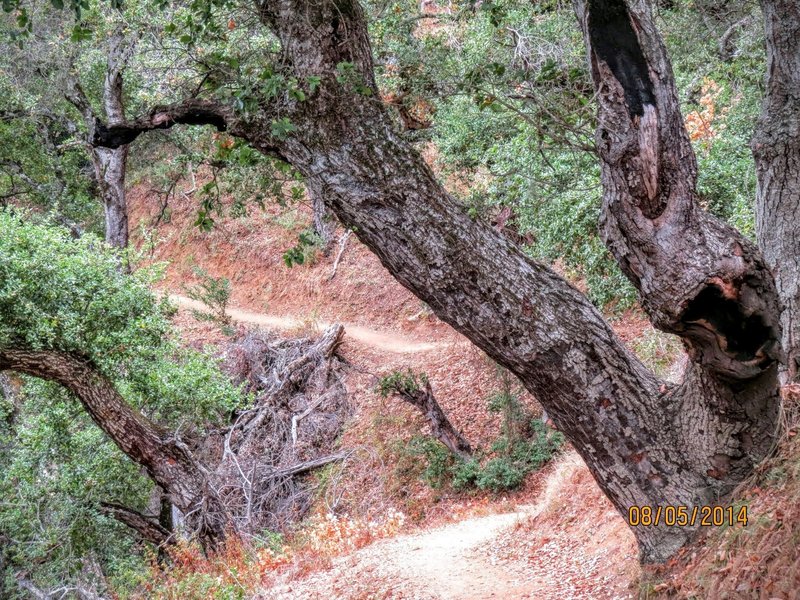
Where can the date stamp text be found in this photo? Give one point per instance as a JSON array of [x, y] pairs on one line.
[[683, 516]]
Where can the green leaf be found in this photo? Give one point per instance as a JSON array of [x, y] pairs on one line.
[[282, 128], [80, 34]]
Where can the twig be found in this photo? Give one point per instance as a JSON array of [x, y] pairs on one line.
[[342, 244]]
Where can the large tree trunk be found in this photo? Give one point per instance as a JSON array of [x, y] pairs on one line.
[[166, 459], [776, 147], [110, 164], [646, 442]]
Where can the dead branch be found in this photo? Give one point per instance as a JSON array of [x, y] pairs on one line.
[[309, 465], [342, 245], [441, 427], [299, 409]]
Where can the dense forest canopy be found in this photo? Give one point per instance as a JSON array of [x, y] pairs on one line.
[[609, 153]]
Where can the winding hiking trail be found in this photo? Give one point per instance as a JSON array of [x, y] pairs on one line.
[[473, 559], [445, 563], [387, 342], [467, 560]]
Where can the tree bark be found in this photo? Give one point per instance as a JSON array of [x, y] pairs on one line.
[[167, 460], [647, 442], [110, 164], [149, 529], [776, 148], [441, 427]]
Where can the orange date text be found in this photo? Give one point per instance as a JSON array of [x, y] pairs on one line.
[[687, 516]]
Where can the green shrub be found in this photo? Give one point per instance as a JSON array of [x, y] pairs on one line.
[[466, 473], [439, 462], [67, 295], [503, 468], [501, 474], [215, 293]]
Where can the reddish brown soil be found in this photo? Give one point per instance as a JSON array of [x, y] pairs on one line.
[[549, 552]]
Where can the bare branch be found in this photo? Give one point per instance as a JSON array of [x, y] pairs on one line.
[[441, 427]]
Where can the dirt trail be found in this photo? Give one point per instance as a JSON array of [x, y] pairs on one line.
[[388, 342], [446, 563]]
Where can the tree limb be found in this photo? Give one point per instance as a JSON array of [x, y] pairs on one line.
[[167, 460], [441, 427], [189, 112], [149, 529], [305, 467]]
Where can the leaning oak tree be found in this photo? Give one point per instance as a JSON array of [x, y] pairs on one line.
[[227, 455], [646, 441]]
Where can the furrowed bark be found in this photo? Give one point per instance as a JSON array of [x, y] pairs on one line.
[[697, 277], [645, 441], [776, 148], [167, 461]]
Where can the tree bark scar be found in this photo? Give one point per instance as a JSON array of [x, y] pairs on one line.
[[648, 150], [615, 42]]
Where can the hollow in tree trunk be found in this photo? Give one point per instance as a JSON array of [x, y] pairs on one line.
[[646, 441]]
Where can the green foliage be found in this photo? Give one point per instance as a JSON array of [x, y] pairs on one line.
[[282, 128], [215, 293], [514, 119], [402, 382], [512, 459], [40, 164], [57, 468], [439, 463], [524, 444], [348, 76], [57, 293], [304, 252]]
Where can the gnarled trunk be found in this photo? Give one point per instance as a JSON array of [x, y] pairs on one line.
[[776, 148], [166, 459], [646, 442]]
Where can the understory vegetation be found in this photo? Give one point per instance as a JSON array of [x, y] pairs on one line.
[[498, 99], [525, 444]]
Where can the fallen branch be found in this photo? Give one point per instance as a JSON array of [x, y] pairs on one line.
[[309, 465], [408, 388], [300, 405]]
